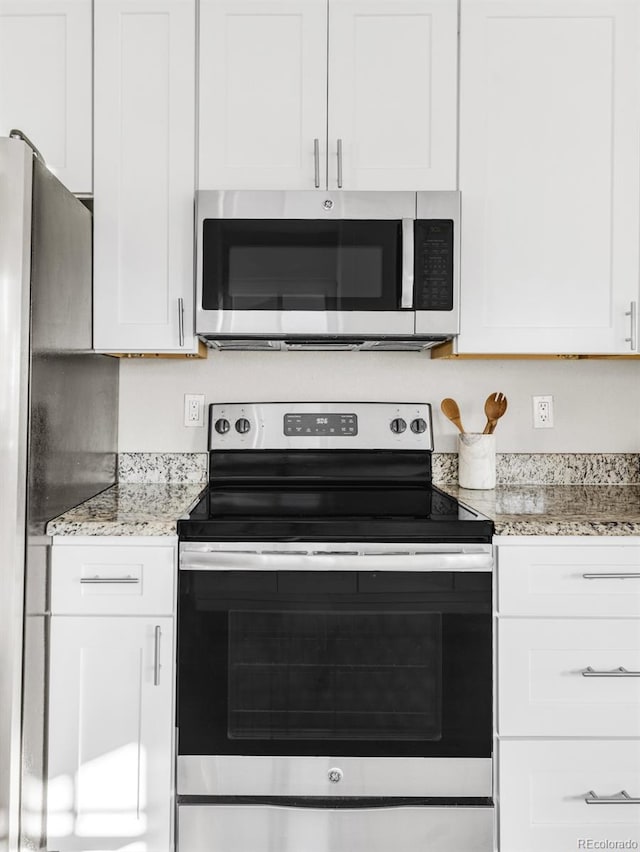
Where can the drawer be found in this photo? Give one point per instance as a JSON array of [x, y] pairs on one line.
[[542, 690], [573, 580], [544, 788], [113, 580], [265, 828]]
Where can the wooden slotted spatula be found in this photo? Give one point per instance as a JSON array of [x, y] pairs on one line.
[[494, 408]]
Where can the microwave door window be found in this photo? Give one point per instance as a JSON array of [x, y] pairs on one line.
[[301, 265]]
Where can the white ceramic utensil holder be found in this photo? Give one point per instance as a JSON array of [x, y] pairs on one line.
[[476, 460]]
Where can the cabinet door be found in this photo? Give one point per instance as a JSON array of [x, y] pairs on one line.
[[45, 82], [144, 175], [263, 94], [545, 786], [110, 734], [564, 677], [549, 154], [392, 94]]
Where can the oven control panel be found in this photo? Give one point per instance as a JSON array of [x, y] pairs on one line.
[[320, 425]]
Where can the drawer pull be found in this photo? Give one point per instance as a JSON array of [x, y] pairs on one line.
[[634, 576], [156, 655], [621, 798], [619, 672], [97, 579]]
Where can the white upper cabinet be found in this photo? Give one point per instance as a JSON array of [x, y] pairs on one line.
[[549, 161], [353, 94], [45, 82], [263, 94], [144, 175], [392, 94]]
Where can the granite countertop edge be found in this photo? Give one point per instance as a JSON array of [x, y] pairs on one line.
[[140, 509], [153, 509]]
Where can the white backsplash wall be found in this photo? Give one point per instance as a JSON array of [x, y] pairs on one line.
[[596, 403]]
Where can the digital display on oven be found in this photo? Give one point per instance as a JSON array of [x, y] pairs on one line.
[[310, 425]]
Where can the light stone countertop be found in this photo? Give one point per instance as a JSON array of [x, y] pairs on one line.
[[153, 509], [129, 509], [609, 510]]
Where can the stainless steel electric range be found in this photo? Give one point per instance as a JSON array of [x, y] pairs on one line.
[[334, 639]]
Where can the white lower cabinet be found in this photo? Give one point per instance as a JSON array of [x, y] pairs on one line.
[[568, 694], [569, 677], [110, 775], [551, 795]]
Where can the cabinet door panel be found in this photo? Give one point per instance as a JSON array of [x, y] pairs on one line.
[[144, 174], [263, 93], [45, 82], [583, 580], [549, 153], [541, 687], [543, 787], [392, 93], [110, 734]]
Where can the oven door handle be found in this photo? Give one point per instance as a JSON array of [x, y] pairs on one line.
[[296, 561], [408, 260]]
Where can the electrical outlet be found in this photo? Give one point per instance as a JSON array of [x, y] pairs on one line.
[[193, 409], [542, 412]]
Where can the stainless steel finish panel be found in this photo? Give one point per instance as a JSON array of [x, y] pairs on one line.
[[15, 262], [442, 205], [225, 556], [304, 323], [299, 205], [303, 204], [61, 302], [58, 410], [374, 419], [265, 828], [73, 432], [231, 775]]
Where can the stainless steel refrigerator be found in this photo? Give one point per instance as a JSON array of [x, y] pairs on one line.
[[58, 431]]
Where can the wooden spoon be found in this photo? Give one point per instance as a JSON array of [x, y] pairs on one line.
[[494, 408], [450, 409]]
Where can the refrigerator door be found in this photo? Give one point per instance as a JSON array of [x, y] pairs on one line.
[[15, 261]]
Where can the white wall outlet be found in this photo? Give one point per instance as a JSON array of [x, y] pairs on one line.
[[194, 409], [542, 412]]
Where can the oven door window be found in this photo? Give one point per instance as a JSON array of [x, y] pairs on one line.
[[356, 663], [301, 265], [334, 675]]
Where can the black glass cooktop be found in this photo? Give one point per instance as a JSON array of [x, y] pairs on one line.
[[365, 512]]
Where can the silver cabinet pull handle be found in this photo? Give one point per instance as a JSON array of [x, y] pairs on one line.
[[621, 798], [156, 655], [339, 163], [181, 321], [619, 672], [316, 162], [406, 297], [98, 579], [633, 314], [630, 576]]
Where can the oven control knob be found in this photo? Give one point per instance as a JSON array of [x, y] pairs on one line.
[[418, 426], [398, 425], [243, 425], [335, 775], [222, 426]]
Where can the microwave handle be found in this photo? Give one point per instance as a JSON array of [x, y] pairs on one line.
[[406, 299]]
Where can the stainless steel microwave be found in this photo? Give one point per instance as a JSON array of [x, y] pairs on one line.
[[317, 270]]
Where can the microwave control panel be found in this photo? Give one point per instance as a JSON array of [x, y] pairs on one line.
[[433, 270]]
